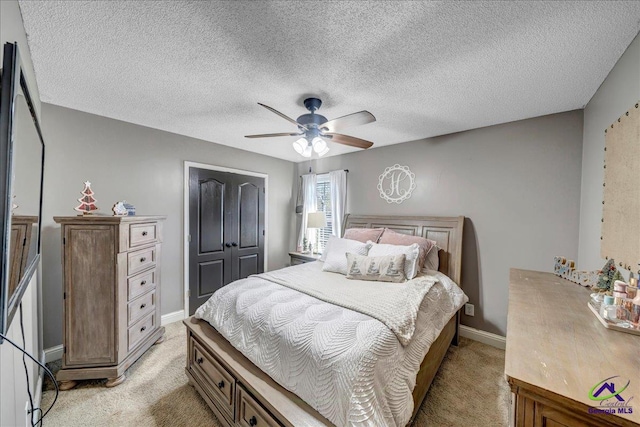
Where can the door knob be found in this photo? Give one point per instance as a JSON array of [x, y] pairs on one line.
[[228, 245], [234, 244]]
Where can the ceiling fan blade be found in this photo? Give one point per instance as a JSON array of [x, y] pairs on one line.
[[354, 119], [348, 140], [287, 118], [271, 135]]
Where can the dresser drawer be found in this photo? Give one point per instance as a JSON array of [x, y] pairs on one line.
[[218, 383], [142, 234], [138, 285], [140, 307], [138, 332], [141, 260], [251, 413]]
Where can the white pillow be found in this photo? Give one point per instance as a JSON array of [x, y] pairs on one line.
[[432, 261], [336, 253], [410, 252]]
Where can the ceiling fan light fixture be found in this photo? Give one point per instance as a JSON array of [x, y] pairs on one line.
[[323, 152], [320, 146], [308, 150], [300, 145]]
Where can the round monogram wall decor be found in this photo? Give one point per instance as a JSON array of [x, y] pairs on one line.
[[396, 183]]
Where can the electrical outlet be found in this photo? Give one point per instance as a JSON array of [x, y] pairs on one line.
[[469, 309]]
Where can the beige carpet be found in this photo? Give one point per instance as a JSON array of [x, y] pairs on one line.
[[469, 390]]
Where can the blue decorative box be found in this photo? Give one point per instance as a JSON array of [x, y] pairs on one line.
[[131, 210]]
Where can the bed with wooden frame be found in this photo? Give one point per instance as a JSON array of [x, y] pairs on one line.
[[240, 394]]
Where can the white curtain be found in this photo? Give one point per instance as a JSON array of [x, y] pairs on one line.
[[308, 202], [338, 184]]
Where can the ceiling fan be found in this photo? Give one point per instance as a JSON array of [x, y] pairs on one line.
[[315, 129]]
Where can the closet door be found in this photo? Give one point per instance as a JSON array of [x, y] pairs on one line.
[[210, 212], [248, 226], [226, 228]]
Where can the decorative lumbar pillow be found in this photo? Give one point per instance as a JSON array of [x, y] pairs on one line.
[[391, 237], [433, 261], [410, 252], [336, 250], [363, 234], [388, 268]]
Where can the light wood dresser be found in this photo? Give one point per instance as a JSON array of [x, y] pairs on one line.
[[558, 355], [111, 269]]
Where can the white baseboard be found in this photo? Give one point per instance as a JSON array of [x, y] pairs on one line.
[[176, 316], [55, 353], [484, 337]]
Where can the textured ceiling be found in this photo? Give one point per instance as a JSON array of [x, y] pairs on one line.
[[198, 68]]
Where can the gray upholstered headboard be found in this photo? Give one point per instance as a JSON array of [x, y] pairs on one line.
[[445, 231]]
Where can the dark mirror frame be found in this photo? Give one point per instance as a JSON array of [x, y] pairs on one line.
[[13, 79]]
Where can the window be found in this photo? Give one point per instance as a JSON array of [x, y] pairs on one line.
[[323, 195]]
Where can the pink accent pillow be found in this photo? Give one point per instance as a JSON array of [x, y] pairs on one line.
[[363, 234], [390, 237]]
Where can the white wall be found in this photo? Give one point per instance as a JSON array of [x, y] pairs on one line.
[[619, 92], [13, 381], [13, 386], [518, 184], [144, 166]]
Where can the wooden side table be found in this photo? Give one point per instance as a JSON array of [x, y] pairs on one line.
[[300, 258]]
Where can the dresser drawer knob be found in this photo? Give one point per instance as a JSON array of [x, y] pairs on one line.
[[199, 360], [143, 259], [253, 421], [143, 306], [234, 244], [221, 385], [144, 282], [144, 328], [144, 233]]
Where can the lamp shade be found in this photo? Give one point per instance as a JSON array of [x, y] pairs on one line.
[[308, 150], [319, 146], [300, 145], [316, 220]]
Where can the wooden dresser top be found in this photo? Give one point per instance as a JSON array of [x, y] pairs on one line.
[[107, 219], [556, 344]]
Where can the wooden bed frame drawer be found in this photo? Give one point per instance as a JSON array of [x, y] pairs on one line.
[[141, 260], [141, 234], [219, 383], [251, 413]]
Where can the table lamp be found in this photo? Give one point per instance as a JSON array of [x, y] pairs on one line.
[[316, 220]]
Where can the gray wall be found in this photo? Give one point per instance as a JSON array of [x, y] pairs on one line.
[[145, 167], [518, 184], [13, 386], [619, 92]]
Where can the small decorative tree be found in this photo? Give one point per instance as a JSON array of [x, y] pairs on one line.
[[608, 275], [87, 203]]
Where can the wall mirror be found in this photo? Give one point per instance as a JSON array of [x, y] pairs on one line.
[[21, 173]]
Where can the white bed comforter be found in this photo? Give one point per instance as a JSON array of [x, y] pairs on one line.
[[349, 366]]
